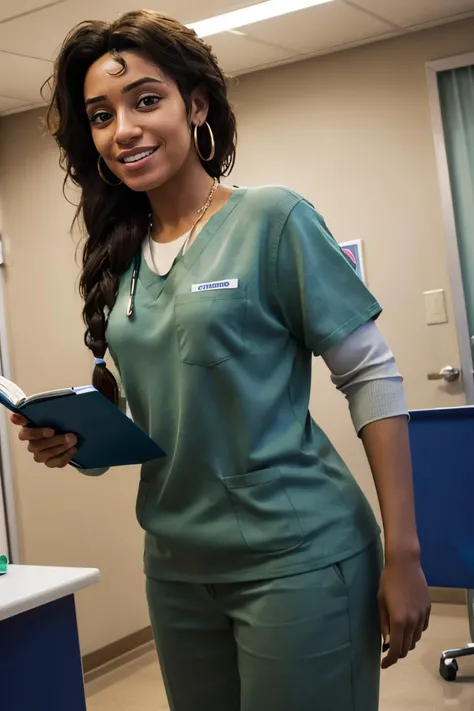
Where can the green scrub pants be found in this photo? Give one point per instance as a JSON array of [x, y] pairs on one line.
[[308, 642]]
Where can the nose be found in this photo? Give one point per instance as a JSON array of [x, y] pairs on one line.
[[126, 129]]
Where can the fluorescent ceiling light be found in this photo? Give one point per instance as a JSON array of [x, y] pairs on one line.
[[250, 15]]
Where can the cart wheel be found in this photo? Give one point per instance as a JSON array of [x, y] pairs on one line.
[[448, 669]]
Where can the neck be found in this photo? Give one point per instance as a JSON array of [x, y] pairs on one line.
[[179, 198]]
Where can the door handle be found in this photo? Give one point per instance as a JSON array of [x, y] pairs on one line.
[[448, 374]]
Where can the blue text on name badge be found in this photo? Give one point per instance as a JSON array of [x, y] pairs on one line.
[[214, 285]]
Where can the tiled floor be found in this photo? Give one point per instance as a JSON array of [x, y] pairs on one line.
[[413, 685]]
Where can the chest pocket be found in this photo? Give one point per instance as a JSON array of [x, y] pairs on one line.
[[210, 326]]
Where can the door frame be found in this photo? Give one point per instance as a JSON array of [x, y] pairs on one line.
[[452, 249], [6, 468]]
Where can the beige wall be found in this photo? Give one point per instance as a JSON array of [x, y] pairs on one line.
[[352, 132]]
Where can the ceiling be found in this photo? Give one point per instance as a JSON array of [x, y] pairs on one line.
[[32, 30]]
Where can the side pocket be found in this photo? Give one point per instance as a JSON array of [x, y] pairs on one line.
[[267, 519], [141, 501]]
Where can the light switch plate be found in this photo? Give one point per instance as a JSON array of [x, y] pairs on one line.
[[435, 307]]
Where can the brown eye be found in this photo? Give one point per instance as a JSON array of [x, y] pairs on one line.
[[150, 100], [100, 117]]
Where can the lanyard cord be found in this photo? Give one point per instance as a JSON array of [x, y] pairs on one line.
[[133, 284]]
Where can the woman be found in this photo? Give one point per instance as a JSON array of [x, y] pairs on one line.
[[262, 555]]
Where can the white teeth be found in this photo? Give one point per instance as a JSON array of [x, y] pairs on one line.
[[138, 156]]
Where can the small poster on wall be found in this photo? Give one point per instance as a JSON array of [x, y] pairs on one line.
[[354, 251]]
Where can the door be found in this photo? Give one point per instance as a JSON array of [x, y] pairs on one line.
[[451, 87], [441, 439]]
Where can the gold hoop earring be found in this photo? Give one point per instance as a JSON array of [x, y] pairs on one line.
[[211, 138], [99, 169]]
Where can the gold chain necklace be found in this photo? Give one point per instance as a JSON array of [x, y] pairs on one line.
[[201, 212]]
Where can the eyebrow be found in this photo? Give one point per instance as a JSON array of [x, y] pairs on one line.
[[126, 89]]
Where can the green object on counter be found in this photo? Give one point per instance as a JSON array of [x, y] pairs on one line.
[[3, 564]]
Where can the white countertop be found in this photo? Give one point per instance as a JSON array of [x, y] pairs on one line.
[[25, 587]]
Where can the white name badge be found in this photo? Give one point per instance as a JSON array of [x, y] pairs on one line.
[[215, 285]]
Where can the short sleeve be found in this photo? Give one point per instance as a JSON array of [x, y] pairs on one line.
[[321, 298]]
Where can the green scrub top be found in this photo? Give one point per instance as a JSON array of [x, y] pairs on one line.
[[216, 366]]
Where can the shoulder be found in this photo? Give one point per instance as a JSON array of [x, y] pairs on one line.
[[276, 207], [278, 211], [272, 202]]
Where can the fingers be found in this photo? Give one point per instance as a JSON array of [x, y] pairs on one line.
[[384, 626], [410, 637], [62, 460], [404, 602], [18, 420], [30, 434], [43, 453], [384, 622], [55, 451], [404, 636], [396, 646], [427, 619], [417, 634], [48, 443]]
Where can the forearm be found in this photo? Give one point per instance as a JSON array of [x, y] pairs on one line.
[[387, 446]]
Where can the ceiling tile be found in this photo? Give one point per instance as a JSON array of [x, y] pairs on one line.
[[13, 8], [7, 104], [407, 13], [22, 36], [22, 78], [237, 53], [188, 11], [319, 28]]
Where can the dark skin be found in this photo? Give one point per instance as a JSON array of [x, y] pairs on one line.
[[404, 600]]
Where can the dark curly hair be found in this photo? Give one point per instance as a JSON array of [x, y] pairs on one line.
[[116, 218]]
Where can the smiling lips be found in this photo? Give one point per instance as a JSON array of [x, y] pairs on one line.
[[136, 159]]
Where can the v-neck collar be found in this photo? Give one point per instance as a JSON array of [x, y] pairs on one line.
[[155, 283]]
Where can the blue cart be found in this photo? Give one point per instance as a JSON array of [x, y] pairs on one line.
[[442, 444]]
